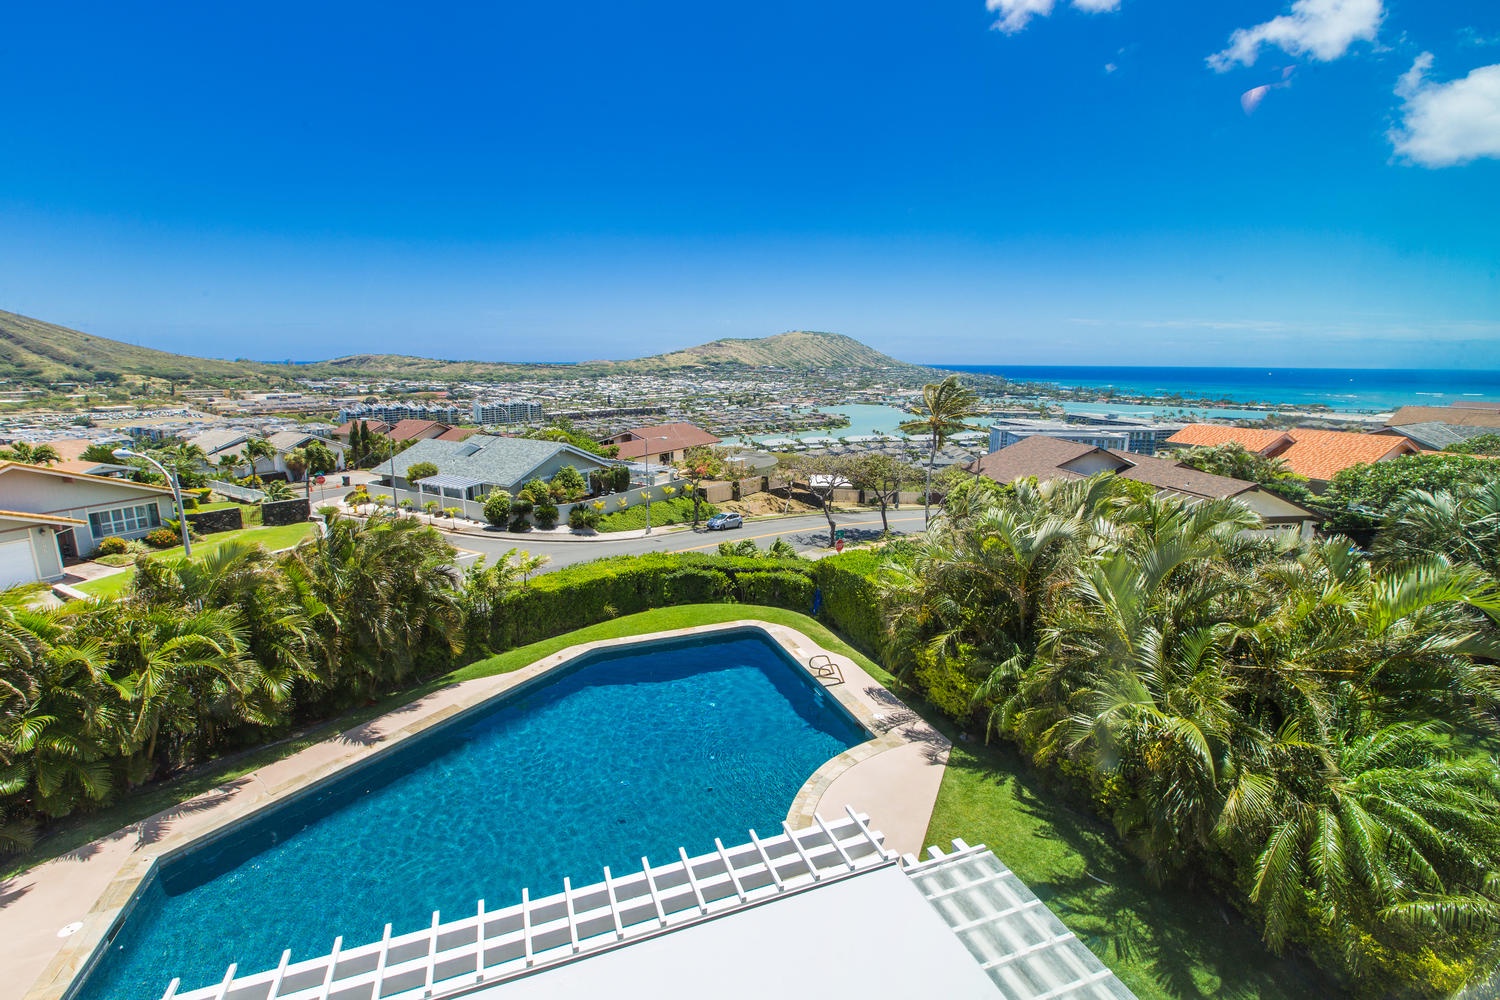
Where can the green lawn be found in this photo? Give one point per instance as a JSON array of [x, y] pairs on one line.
[[1165, 943], [1171, 943], [676, 510], [280, 537]]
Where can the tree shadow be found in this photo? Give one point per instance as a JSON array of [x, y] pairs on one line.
[[12, 890], [151, 830]]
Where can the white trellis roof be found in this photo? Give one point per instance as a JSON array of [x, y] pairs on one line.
[[824, 911]]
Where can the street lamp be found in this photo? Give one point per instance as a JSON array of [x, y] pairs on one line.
[[649, 484], [187, 545]]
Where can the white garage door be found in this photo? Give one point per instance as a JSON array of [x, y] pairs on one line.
[[16, 565]]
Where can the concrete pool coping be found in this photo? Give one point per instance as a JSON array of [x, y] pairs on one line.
[[895, 777]]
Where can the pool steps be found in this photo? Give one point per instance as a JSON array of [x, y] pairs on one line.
[[491, 946]]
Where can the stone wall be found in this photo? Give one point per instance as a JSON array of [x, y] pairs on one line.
[[211, 522], [746, 487], [715, 492], [285, 512]]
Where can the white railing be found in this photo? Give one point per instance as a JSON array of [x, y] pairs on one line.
[[491, 946], [1020, 944]]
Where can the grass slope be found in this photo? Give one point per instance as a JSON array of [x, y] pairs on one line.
[[34, 351], [282, 536]]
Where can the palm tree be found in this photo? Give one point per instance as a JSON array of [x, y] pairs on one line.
[[1463, 525], [278, 489], [253, 452], [30, 454], [944, 404], [296, 463], [1377, 818]]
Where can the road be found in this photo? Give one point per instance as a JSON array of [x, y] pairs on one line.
[[804, 532]]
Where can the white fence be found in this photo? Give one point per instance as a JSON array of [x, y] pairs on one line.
[[492, 946]]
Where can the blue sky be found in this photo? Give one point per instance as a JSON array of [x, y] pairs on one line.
[[1011, 181]]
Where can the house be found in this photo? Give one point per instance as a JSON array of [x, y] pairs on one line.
[[1435, 435], [1315, 455], [482, 463], [288, 441], [458, 433], [664, 443], [1044, 458], [417, 430], [1459, 414], [59, 514], [342, 432]]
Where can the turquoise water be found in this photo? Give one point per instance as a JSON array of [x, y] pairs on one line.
[[620, 755], [1349, 389]]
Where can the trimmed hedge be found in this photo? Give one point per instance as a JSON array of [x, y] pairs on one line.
[[851, 601], [588, 593]]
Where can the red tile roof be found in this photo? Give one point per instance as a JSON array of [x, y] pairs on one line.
[[678, 437], [458, 433], [1323, 454], [1212, 435], [1311, 453], [405, 430]]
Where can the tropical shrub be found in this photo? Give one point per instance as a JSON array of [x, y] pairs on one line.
[[418, 471], [545, 515], [567, 484], [1292, 722], [113, 546], [583, 517], [497, 508], [162, 538]]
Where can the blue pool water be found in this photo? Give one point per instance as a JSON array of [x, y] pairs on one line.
[[618, 755]]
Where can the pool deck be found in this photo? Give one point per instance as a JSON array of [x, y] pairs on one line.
[[893, 777]]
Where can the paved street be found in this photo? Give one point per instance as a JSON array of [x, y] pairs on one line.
[[805, 532]]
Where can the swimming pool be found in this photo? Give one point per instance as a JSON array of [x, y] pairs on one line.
[[620, 753]]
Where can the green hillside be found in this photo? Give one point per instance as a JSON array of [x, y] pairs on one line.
[[34, 351], [38, 352], [801, 350]]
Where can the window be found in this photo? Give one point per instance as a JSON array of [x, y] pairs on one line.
[[125, 520]]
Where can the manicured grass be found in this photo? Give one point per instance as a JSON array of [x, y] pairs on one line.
[[1165, 942], [677, 510], [282, 536]]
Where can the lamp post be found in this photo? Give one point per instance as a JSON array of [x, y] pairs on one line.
[[649, 484], [187, 545]]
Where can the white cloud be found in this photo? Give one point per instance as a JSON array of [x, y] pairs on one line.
[[1322, 29], [1445, 124], [1016, 14]]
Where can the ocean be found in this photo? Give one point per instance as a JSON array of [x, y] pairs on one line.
[[1362, 390]]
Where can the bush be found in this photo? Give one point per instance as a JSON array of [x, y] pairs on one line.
[[545, 515], [851, 601], [497, 508], [592, 592], [779, 588], [162, 538], [583, 516], [113, 546], [519, 523]]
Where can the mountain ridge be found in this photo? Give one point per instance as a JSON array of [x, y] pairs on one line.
[[35, 351]]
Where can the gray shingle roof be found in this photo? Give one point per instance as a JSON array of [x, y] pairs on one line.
[[497, 461], [1437, 435]]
